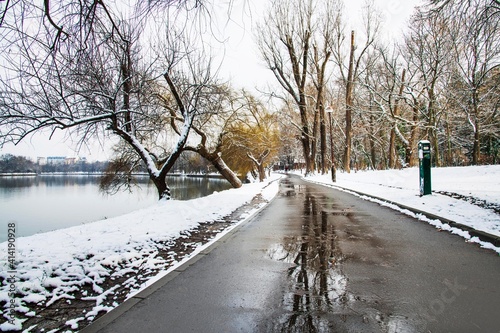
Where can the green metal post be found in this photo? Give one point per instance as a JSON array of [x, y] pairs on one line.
[[424, 156]]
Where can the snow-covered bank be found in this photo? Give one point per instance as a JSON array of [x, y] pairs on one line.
[[58, 265], [478, 183]]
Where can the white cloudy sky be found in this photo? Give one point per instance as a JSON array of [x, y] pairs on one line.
[[242, 64]]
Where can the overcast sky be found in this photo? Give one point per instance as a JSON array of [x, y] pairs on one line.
[[242, 64]]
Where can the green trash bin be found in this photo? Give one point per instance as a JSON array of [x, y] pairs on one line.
[[424, 156]]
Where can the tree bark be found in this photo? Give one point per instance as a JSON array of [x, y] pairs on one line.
[[223, 169], [219, 165], [392, 141], [320, 105], [348, 109], [477, 139], [411, 158], [161, 187]]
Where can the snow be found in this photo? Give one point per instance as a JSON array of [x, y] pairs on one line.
[[55, 265], [401, 187]]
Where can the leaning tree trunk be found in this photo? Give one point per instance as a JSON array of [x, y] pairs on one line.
[[224, 170], [219, 165]]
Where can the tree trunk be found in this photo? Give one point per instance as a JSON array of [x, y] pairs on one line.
[[313, 142], [348, 110], [224, 170], [127, 88], [307, 151], [372, 132], [320, 105], [477, 140], [448, 154], [161, 187], [477, 145], [322, 133], [392, 148], [219, 165], [392, 142], [305, 134], [262, 172], [432, 133], [411, 158], [259, 163]]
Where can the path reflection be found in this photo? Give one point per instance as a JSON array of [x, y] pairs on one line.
[[316, 282]]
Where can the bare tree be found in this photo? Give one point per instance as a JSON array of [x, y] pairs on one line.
[[63, 19], [295, 41], [253, 140], [351, 66], [320, 59], [97, 86], [486, 10], [386, 82], [284, 40], [349, 106], [476, 56], [427, 52], [210, 131]]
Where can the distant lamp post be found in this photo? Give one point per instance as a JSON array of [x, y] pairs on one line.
[[329, 110]]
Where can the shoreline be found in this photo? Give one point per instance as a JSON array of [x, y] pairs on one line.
[[35, 174]]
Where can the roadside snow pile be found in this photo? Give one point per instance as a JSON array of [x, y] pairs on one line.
[[56, 265], [466, 195]]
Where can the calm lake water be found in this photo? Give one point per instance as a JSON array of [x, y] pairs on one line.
[[49, 202]]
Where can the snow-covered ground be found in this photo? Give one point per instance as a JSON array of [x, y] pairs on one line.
[[54, 265], [480, 184]]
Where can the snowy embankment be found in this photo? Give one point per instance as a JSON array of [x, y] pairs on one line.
[[57, 265], [468, 190]]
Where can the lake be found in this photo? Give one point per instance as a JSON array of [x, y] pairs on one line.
[[49, 202]]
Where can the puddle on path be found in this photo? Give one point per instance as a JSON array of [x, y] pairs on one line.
[[316, 297], [315, 280]]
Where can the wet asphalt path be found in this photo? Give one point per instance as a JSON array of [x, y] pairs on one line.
[[320, 260]]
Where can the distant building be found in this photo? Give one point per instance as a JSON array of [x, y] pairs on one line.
[[53, 160], [70, 160], [59, 160]]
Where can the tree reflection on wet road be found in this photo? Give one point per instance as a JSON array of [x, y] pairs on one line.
[[316, 282], [353, 268]]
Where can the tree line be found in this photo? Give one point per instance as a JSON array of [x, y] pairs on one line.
[[441, 83], [189, 163], [19, 164]]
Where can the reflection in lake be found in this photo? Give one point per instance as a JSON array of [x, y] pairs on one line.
[[49, 202], [316, 282]]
